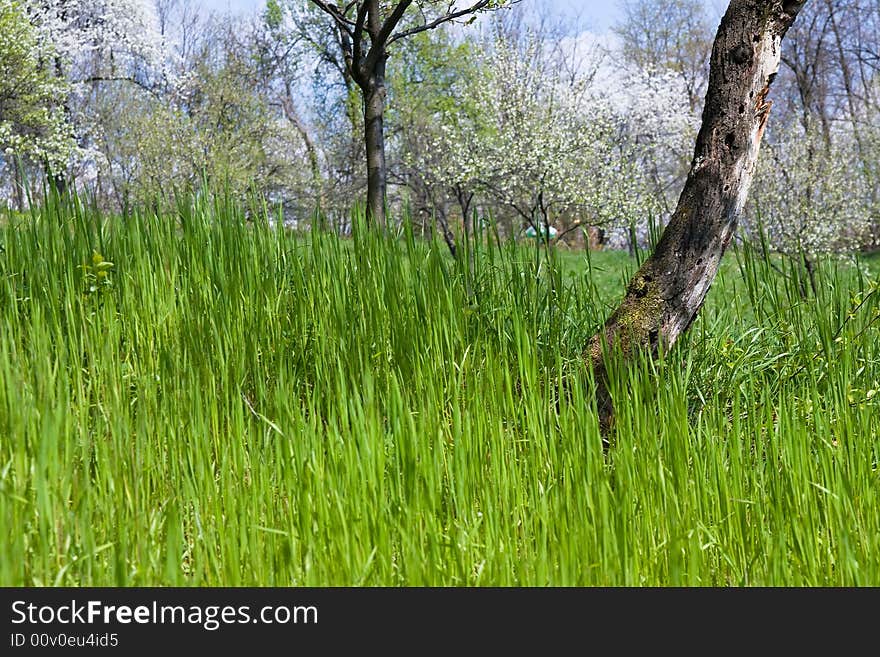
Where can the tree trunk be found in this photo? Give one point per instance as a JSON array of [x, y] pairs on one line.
[[374, 117], [852, 95], [441, 217], [18, 190], [314, 163], [668, 290]]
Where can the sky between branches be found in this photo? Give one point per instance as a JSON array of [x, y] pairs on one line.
[[596, 15]]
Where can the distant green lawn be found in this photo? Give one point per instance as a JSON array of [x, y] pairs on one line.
[[198, 401]]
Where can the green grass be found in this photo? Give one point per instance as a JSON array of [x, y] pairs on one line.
[[234, 405]]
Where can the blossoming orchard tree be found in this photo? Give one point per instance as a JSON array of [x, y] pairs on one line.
[[538, 141], [666, 293], [33, 127], [809, 199], [95, 42], [367, 28], [100, 36], [658, 141]]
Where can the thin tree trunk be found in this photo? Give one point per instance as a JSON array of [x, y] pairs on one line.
[[668, 290], [441, 217], [851, 94], [314, 163], [18, 190], [465, 201], [57, 178], [374, 118]]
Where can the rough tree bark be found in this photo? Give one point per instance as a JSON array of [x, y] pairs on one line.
[[666, 293], [374, 129]]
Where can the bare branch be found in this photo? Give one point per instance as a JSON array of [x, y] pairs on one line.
[[381, 40], [357, 52], [440, 20], [121, 78], [337, 14]]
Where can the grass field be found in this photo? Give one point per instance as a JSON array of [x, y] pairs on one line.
[[198, 400]]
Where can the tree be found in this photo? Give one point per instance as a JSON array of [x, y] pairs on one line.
[[809, 199], [367, 29], [654, 140], [277, 76], [820, 193], [429, 92], [95, 42], [668, 34], [668, 290], [309, 58], [518, 123], [33, 126], [223, 124], [538, 142]]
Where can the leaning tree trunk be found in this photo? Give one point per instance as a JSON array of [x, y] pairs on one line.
[[666, 293], [374, 118]]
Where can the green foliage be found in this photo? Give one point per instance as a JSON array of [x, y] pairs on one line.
[[273, 15], [252, 406], [32, 120], [97, 274], [220, 131]]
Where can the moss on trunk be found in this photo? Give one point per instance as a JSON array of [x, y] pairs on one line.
[[669, 289]]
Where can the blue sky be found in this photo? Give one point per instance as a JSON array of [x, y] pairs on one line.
[[597, 15]]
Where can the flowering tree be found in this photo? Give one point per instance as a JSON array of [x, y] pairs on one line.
[[223, 123], [808, 198], [102, 37], [33, 126], [871, 167], [674, 35], [659, 139], [97, 42], [545, 143], [549, 148], [428, 98]]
